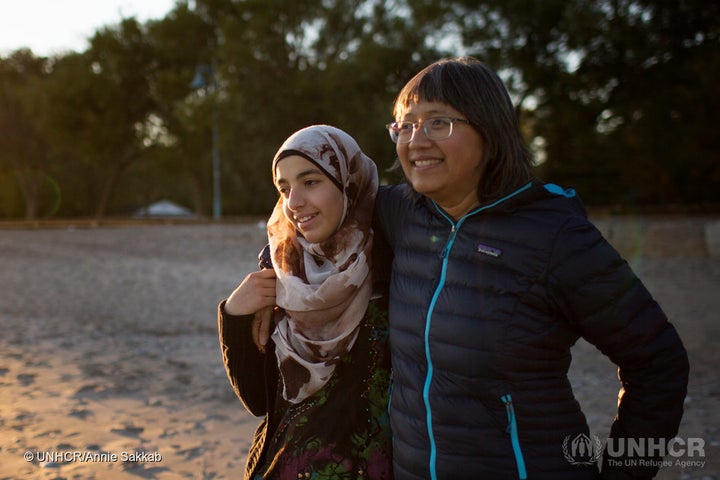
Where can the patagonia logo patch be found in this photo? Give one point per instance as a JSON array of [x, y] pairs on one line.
[[487, 250]]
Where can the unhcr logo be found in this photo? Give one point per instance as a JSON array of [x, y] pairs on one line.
[[635, 452], [582, 450]]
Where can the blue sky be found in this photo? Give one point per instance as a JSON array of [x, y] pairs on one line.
[[55, 26]]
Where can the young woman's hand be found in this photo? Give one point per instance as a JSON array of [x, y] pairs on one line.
[[256, 292]]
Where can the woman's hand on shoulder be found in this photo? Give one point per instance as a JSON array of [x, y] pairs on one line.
[[261, 325]]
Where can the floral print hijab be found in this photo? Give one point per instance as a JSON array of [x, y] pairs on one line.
[[324, 288]]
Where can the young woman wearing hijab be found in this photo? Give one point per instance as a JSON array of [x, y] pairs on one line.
[[322, 381], [495, 276]]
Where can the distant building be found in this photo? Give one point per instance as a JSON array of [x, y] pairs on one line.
[[164, 208]]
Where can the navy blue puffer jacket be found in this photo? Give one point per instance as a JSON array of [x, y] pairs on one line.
[[483, 312]]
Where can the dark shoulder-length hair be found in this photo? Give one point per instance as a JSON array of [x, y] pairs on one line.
[[476, 91]]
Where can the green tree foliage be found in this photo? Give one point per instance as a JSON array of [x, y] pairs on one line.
[[25, 160], [313, 62], [97, 103], [618, 97], [623, 90], [183, 43]]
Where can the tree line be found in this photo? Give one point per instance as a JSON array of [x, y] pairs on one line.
[[617, 98]]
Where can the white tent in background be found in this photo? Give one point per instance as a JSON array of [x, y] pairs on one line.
[[164, 208]]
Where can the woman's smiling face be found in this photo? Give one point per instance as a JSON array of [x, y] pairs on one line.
[[447, 171], [311, 200]]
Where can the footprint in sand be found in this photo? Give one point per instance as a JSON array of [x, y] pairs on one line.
[[26, 379], [128, 430]]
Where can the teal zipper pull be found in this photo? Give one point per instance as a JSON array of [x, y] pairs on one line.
[[514, 437]]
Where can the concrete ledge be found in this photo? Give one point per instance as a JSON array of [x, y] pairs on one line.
[[662, 236], [712, 238], [632, 235]]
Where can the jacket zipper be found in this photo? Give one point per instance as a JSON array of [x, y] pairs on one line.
[[432, 463], [514, 438], [454, 227]]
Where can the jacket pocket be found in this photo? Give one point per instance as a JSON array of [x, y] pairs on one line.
[[514, 437]]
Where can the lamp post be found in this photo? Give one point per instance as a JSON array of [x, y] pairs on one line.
[[201, 80], [217, 195]]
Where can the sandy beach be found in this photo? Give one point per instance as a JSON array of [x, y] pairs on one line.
[[110, 366]]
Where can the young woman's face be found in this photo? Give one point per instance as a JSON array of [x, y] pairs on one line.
[[449, 170], [311, 201]]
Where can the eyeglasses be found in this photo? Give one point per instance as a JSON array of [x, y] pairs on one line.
[[438, 128]]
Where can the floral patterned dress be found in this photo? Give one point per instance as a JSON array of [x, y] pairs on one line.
[[341, 431]]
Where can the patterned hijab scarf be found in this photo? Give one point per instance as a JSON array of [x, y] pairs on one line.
[[323, 287]]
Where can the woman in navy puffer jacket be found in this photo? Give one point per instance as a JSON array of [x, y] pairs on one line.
[[495, 276]]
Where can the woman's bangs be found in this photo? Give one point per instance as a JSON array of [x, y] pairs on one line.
[[423, 88]]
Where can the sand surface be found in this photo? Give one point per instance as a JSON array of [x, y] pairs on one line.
[[110, 366]]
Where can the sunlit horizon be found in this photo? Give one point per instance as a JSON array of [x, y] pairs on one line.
[[49, 27]]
